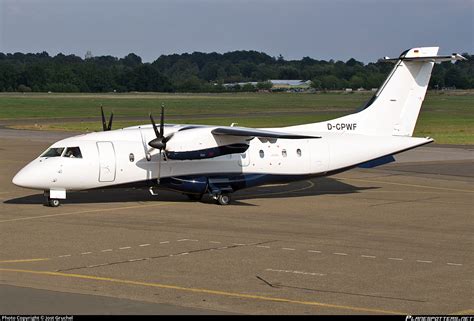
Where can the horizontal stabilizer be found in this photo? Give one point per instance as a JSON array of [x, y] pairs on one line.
[[424, 55], [250, 132]]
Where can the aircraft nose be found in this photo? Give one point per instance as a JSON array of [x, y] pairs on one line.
[[20, 179], [29, 176]]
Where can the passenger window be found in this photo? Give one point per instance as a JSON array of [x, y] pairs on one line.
[[53, 152], [262, 154], [298, 152], [283, 153], [73, 152]]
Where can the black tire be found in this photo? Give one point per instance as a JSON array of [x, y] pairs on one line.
[[194, 197], [54, 202], [223, 199]]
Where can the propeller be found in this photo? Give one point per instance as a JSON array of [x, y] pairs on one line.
[[105, 126], [160, 141]]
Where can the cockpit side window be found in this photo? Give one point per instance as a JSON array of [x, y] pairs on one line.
[[73, 152], [53, 152]]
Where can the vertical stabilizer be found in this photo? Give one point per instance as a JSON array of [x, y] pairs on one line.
[[394, 109], [397, 103]]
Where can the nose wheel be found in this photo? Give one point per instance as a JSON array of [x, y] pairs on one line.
[[52, 202]]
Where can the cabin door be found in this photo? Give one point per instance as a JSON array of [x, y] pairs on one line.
[[106, 161]]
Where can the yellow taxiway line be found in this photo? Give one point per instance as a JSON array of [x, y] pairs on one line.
[[463, 312], [24, 261], [205, 291]]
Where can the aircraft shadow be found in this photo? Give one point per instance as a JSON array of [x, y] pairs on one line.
[[313, 187]]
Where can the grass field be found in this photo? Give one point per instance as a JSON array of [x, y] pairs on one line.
[[447, 117]]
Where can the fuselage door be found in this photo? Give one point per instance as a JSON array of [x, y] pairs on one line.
[[106, 161]]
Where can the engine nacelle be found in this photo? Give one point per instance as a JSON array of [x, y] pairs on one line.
[[200, 143]]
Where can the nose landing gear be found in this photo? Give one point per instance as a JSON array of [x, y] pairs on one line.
[[52, 198], [53, 202]]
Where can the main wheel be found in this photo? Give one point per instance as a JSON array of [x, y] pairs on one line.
[[223, 199], [194, 197], [54, 202]]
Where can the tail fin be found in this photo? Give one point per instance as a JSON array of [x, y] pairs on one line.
[[394, 108]]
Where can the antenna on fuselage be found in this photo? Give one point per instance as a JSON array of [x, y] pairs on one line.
[[105, 126]]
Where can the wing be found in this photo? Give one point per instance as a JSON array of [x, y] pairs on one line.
[[251, 132]]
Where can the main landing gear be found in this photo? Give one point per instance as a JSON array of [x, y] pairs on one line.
[[222, 199]]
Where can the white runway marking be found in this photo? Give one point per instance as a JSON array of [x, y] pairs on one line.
[[85, 253], [314, 251], [422, 261], [369, 256], [295, 272], [215, 242], [337, 253], [274, 185], [395, 258], [457, 264], [134, 260], [165, 242], [125, 248], [288, 249], [66, 255], [107, 250], [238, 244], [143, 245], [263, 246]]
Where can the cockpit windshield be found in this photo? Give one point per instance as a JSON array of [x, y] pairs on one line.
[[53, 152], [73, 152]]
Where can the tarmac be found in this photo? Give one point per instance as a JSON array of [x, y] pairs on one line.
[[396, 239]]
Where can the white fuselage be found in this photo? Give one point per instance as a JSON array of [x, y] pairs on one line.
[[119, 157]]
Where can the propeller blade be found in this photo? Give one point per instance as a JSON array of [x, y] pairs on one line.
[[104, 125], [167, 138], [162, 123], [157, 133], [109, 127]]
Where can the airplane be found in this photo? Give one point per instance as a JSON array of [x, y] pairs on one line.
[[218, 160]]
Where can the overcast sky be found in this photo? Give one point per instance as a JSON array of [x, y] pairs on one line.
[[321, 29]]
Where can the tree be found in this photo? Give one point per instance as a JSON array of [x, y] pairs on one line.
[[356, 81], [330, 82], [264, 85], [131, 60], [316, 83], [248, 87]]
